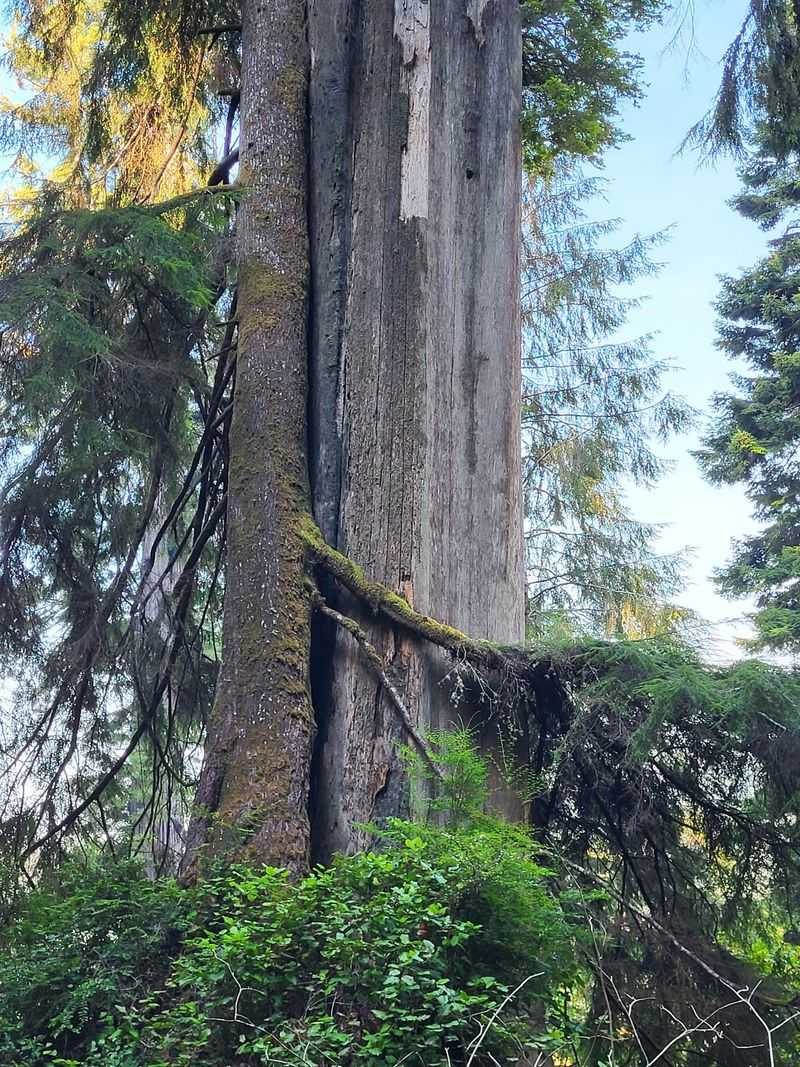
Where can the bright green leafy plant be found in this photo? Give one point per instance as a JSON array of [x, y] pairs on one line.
[[442, 946]]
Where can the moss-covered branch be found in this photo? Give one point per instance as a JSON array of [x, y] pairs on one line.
[[382, 600]]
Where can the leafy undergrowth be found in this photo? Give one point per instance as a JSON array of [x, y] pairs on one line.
[[440, 947]]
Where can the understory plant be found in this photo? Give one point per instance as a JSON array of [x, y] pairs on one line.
[[441, 946]]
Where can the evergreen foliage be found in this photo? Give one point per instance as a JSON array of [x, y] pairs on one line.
[[755, 435], [113, 396], [117, 100], [673, 787], [591, 408], [117, 370], [760, 86], [575, 74]]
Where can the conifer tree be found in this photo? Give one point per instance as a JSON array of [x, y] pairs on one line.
[[591, 408], [148, 345], [103, 77], [760, 85], [755, 436]]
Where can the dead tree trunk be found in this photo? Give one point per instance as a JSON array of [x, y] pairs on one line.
[[415, 199], [252, 798]]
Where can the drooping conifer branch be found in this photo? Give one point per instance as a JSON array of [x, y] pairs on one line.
[[620, 736]]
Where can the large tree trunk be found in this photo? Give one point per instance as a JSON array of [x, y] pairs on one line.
[[415, 195], [253, 794], [413, 169]]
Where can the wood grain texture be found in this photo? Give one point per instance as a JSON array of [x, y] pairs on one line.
[[415, 365]]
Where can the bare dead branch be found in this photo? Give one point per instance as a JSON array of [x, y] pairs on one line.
[[376, 663]]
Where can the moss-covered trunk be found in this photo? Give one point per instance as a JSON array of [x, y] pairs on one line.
[[252, 798]]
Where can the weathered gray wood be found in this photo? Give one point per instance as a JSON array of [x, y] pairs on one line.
[[253, 792], [415, 192], [413, 170], [330, 106]]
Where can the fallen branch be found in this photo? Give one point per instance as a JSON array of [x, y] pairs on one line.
[[382, 600], [373, 658]]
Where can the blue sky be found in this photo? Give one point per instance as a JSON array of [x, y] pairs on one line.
[[650, 187]]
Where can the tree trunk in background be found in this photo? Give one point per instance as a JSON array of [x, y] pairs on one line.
[[253, 794], [415, 360]]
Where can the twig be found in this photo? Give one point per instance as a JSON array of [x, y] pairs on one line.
[[743, 996], [373, 657], [485, 1029]]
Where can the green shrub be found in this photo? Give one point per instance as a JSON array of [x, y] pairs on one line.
[[399, 955], [73, 960]]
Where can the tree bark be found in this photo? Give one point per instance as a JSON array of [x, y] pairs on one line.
[[252, 797], [413, 172], [414, 209]]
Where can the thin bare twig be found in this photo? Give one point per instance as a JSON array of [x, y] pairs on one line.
[[375, 661]]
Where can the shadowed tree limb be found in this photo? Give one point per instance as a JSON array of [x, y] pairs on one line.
[[377, 665], [382, 600]]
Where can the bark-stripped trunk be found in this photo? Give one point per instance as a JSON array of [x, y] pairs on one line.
[[252, 798], [414, 197], [415, 194]]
